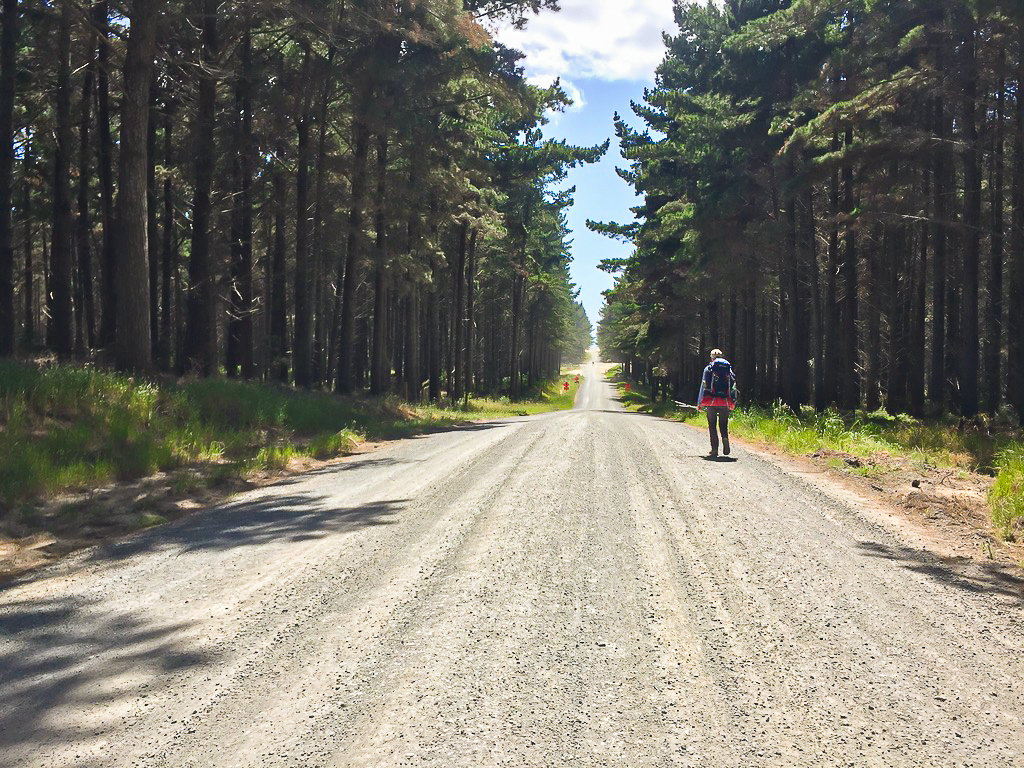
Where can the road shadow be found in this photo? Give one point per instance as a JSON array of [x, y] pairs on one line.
[[50, 667], [720, 459], [347, 464], [61, 655], [298, 517], [468, 426], [969, 576]]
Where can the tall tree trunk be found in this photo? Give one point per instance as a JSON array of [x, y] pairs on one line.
[[937, 378], [396, 335], [247, 340], [45, 303], [357, 200], [953, 321], [797, 322], [61, 265], [515, 354], [993, 347], [919, 281], [279, 274], [200, 337], [848, 271], [362, 352], [84, 230], [169, 260], [787, 310], [321, 343], [29, 331], [496, 356], [771, 367], [816, 324], [434, 333], [1015, 313], [531, 347], [458, 314], [152, 229], [749, 371], [471, 382], [831, 314], [105, 167], [8, 71], [240, 323], [519, 285], [873, 344], [972, 229], [803, 325], [302, 348], [378, 355], [133, 349], [411, 370], [335, 322], [898, 300]]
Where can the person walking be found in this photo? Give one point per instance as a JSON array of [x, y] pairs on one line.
[[717, 396]]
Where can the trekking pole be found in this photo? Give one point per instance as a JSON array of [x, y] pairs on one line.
[[685, 406]]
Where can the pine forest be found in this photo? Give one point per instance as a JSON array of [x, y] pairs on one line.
[[359, 196], [833, 190], [353, 195]]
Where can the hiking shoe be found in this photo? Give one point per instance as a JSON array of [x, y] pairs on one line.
[[714, 453], [725, 447]]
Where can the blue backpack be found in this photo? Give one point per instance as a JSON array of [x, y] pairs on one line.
[[722, 378]]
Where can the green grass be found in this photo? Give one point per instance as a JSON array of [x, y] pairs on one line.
[[72, 428], [936, 442], [1007, 495], [551, 397]]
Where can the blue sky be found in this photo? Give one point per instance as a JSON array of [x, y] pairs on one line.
[[605, 53]]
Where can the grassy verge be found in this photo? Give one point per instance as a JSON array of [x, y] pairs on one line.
[[67, 429], [1007, 495], [935, 442]]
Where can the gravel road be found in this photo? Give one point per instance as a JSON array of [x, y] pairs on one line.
[[574, 589]]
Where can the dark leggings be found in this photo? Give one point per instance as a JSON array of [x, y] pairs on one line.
[[719, 414]]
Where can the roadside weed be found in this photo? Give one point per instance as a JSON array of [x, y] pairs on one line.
[[1007, 495], [149, 519], [336, 444]]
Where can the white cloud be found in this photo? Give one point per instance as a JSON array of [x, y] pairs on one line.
[[573, 91], [603, 39]]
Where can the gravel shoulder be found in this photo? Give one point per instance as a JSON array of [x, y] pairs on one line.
[[574, 589]]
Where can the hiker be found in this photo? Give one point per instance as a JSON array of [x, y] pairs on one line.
[[718, 396]]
